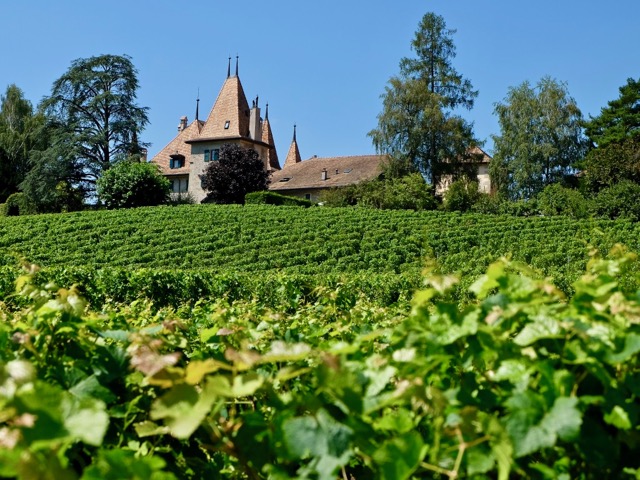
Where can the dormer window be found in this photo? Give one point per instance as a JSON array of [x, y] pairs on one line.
[[226, 124], [285, 179], [176, 161]]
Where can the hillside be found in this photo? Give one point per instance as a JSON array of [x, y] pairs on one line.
[[177, 255]]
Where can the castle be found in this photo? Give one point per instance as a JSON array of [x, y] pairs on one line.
[[231, 120]]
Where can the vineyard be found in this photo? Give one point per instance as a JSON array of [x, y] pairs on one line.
[[273, 342], [202, 244]]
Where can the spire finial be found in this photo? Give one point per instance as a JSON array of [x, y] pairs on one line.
[[266, 111], [294, 132], [237, 65], [229, 67], [198, 105]]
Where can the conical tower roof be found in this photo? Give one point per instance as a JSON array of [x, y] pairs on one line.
[[272, 162], [229, 116], [293, 156]]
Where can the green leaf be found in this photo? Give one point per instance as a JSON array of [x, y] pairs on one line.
[[631, 347], [119, 464], [91, 387], [197, 369], [148, 429], [531, 430], [399, 457], [541, 326], [86, 419], [486, 283], [183, 409], [395, 420], [479, 459], [619, 418]]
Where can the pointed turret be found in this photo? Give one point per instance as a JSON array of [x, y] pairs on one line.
[[293, 156], [271, 162], [229, 117]]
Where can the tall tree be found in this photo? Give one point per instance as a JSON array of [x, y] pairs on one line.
[[620, 120], [418, 123], [237, 172], [614, 162], [92, 109], [18, 136], [540, 139]]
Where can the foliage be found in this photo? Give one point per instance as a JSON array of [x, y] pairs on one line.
[[181, 198], [19, 127], [206, 250], [616, 161], [271, 198], [418, 123], [133, 184], [521, 383], [619, 201], [19, 204], [461, 196], [390, 193], [94, 120], [558, 200], [620, 120], [540, 138], [237, 172], [488, 203]]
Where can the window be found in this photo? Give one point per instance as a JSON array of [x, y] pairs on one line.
[[176, 162], [207, 155], [173, 185], [216, 154], [307, 196], [226, 125]]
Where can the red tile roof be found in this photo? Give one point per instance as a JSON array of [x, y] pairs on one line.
[[178, 146], [231, 106], [340, 172]]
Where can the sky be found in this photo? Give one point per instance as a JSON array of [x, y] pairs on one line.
[[321, 65]]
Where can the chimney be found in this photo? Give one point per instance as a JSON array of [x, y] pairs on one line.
[[324, 174], [183, 124], [255, 126]]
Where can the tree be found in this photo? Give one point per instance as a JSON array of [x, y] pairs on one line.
[[133, 184], [18, 136], [619, 201], [540, 139], [237, 172], [461, 196], [615, 161], [620, 120], [418, 123], [93, 114]]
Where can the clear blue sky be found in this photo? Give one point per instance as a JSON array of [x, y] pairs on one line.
[[321, 64]]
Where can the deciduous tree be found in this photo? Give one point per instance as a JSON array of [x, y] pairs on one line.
[[419, 123], [19, 126], [615, 161], [237, 172], [540, 139], [133, 184]]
